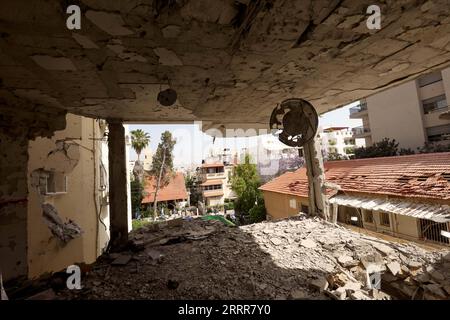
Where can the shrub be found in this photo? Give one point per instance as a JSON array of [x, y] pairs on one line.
[[258, 213]]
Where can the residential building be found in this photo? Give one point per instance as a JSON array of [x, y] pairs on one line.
[[68, 173], [337, 140], [216, 183], [408, 113], [403, 196], [173, 194], [272, 157], [148, 158]]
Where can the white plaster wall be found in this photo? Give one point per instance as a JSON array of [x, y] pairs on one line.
[[446, 83], [397, 113]]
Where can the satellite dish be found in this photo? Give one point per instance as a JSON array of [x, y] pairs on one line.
[[167, 97], [294, 121]]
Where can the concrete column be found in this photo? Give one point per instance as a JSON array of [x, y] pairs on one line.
[[318, 204], [117, 185]]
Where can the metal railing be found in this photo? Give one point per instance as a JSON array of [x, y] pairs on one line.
[[437, 109], [360, 130], [359, 108]]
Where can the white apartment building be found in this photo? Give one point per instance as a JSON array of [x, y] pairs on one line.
[[409, 113], [338, 140], [215, 175]]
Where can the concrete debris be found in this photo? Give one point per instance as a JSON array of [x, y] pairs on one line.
[[299, 294], [121, 260], [308, 243], [276, 241], [436, 275], [347, 261], [48, 294], [394, 267], [436, 290], [64, 231], [320, 284], [295, 258]]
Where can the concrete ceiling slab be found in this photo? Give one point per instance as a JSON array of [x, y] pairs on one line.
[[231, 62]]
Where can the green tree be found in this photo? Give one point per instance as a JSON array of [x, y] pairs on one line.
[[245, 182], [162, 166], [139, 141], [383, 148], [430, 147], [137, 194], [333, 156], [192, 185]]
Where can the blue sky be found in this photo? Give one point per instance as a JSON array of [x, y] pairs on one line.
[[193, 145]]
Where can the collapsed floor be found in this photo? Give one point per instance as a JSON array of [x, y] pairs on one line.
[[299, 258]]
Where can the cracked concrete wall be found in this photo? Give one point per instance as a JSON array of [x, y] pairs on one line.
[[230, 62], [45, 251], [13, 205], [20, 121]]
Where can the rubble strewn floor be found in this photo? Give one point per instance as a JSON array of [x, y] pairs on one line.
[[298, 258]]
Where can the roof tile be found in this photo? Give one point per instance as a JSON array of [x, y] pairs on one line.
[[417, 176]]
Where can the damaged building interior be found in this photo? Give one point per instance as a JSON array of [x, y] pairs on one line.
[[70, 84]]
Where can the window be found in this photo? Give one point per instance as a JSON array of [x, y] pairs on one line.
[[54, 183], [304, 208], [213, 187], [438, 133], [434, 104], [293, 203], [432, 231], [368, 216], [384, 219]]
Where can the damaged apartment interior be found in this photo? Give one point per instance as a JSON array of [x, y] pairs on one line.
[[76, 75]]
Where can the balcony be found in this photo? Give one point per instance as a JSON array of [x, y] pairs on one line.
[[217, 175], [212, 193], [358, 111], [360, 132]]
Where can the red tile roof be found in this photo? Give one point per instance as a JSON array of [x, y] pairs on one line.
[[417, 176], [174, 190]]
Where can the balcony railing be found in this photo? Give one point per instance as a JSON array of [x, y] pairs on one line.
[[360, 130], [359, 108], [214, 175]]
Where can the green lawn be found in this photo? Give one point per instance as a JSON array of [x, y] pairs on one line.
[[136, 224]]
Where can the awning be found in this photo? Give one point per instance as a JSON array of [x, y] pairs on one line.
[[435, 212]]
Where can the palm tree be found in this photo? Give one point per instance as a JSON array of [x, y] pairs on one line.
[[139, 141]]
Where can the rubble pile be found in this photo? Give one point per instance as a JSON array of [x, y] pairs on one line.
[[298, 258], [353, 265]]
